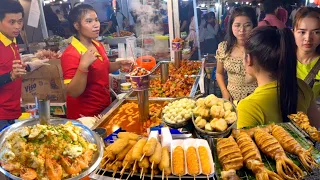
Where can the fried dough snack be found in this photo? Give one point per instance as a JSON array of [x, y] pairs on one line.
[[290, 145], [204, 159], [178, 161], [229, 156], [252, 157], [302, 120], [272, 148], [192, 161]]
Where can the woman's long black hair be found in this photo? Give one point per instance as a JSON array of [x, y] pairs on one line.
[[274, 50], [76, 13], [241, 11]]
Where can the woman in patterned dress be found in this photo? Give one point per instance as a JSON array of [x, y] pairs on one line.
[[230, 55]]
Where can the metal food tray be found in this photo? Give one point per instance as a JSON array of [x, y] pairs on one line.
[[86, 133], [269, 163], [109, 174], [193, 92], [113, 111], [154, 69]]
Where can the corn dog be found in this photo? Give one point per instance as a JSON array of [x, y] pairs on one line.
[[156, 156], [108, 153], [165, 159], [150, 147], [204, 159], [123, 153], [132, 142], [128, 135], [137, 149], [144, 163], [192, 161], [119, 145], [128, 159], [178, 161]]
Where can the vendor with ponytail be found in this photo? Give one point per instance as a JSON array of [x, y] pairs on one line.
[[270, 60], [86, 66]]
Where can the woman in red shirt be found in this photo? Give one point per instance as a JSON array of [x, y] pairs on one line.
[[86, 66]]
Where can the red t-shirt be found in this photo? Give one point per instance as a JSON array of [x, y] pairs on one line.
[[10, 93], [96, 96]]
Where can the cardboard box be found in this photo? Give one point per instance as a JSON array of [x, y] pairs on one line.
[[47, 81]]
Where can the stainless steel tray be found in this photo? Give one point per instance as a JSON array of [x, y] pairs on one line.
[[154, 69], [87, 134], [108, 174], [113, 111]]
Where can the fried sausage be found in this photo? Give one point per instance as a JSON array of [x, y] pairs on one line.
[[178, 161], [119, 145], [192, 161], [128, 135], [144, 163], [150, 147], [137, 149], [128, 159], [165, 159], [108, 154], [156, 156], [204, 159], [123, 153]]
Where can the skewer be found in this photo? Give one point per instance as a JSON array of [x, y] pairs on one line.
[[114, 161], [114, 173], [152, 165], [207, 177], [124, 168], [142, 156], [141, 173], [143, 176], [163, 174], [194, 177], [134, 167], [129, 175], [99, 169], [121, 176], [166, 177], [151, 173], [179, 177]]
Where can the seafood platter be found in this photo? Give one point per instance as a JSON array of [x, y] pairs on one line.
[[156, 157], [61, 150]]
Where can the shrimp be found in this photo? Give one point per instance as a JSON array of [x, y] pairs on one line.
[[83, 162], [70, 168], [28, 174], [53, 169]]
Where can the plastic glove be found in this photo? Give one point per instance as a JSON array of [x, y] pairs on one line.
[[36, 64]]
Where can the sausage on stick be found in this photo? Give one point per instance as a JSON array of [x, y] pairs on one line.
[[165, 161], [192, 161], [155, 158], [204, 159], [149, 147], [119, 145], [137, 152], [128, 135]]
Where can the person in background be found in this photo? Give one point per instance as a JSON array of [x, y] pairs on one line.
[[282, 14], [60, 16], [307, 36], [212, 28], [52, 21], [270, 8], [230, 55], [192, 36], [11, 66], [268, 60], [116, 19], [257, 9], [184, 9], [86, 66], [294, 12]]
